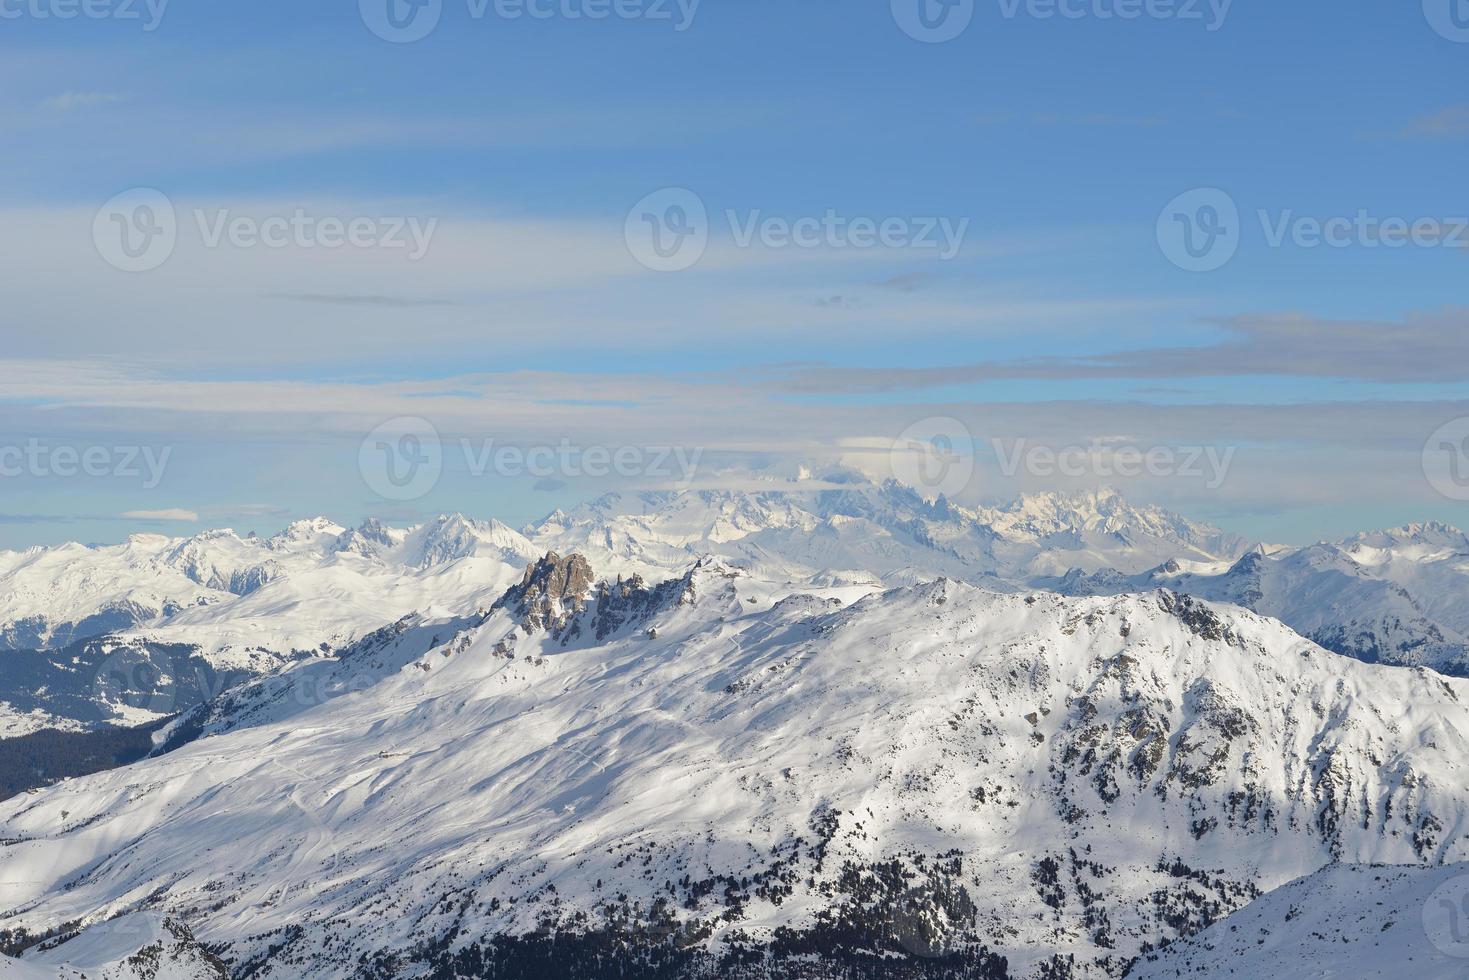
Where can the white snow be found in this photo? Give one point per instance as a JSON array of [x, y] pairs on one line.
[[1145, 743], [1345, 921]]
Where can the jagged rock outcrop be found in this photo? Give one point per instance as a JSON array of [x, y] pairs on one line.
[[557, 597], [553, 592]]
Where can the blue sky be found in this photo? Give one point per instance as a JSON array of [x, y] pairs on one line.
[[524, 144]]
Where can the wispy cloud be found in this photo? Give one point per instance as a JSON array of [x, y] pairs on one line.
[[67, 101], [1421, 348], [391, 302], [908, 282], [1450, 123], [173, 514], [26, 519]]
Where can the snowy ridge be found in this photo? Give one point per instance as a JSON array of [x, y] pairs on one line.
[[1358, 921], [887, 532], [1399, 596], [142, 946], [314, 583], [937, 773]]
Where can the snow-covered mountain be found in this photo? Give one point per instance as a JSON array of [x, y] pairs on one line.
[[1399, 596], [319, 574], [134, 632], [887, 533], [1357, 921], [141, 946], [590, 779]]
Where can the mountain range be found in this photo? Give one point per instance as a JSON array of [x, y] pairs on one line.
[[843, 733], [129, 634], [594, 777]]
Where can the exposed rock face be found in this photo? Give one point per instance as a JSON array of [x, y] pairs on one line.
[[557, 596], [552, 593]]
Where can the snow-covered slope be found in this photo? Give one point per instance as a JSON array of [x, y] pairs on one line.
[[141, 946], [1398, 597], [313, 583], [134, 632], [1348, 921], [940, 779]]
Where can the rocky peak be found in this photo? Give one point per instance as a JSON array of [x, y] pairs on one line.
[[1250, 563], [560, 597], [552, 592]]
